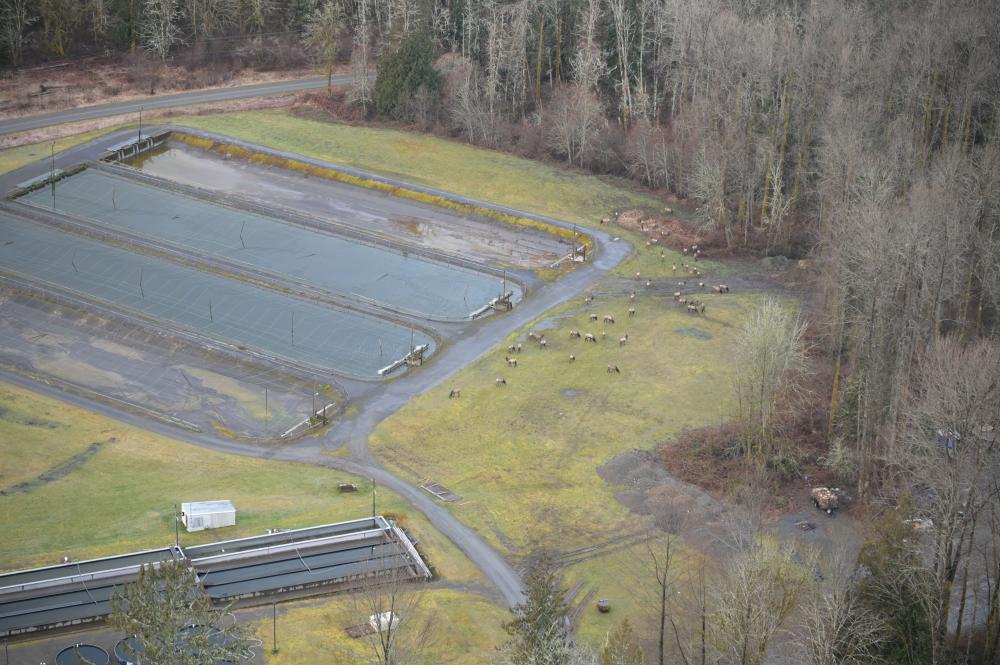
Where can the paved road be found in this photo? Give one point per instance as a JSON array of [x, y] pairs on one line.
[[165, 101], [387, 398]]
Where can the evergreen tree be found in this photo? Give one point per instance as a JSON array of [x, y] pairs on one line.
[[173, 619], [405, 75], [620, 647], [540, 628]]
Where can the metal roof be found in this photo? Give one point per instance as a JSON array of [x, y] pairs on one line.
[[208, 507]]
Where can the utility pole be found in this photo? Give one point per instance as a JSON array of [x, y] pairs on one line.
[[274, 627], [140, 124], [373, 498], [52, 173]]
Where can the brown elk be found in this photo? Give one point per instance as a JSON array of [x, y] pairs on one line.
[[631, 311], [677, 296], [623, 340], [608, 318], [574, 333], [649, 283], [455, 393], [572, 357], [501, 382], [590, 338], [512, 348], [519, 347], [593, 317], [613, 369], [511, 362], [674, 267], [543, 344]]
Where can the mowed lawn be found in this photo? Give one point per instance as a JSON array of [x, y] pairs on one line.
[[453, 628], [121, 498], [524, 456], [452, 166]]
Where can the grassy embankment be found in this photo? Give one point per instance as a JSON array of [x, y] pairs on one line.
[[15, 158]]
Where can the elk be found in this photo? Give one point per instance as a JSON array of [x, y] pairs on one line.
[[677, 296], [542, 344], [590, 338], [574, 333], [588, 299], [511, 362], [608, 318], [622, 341], [593, 317], [674, 267], [511, 349], [501, 382], [701, 285], [649, 283], [613, 369], [519, 347], [572, 357], [455, 393], [631, 311], [637, 274]]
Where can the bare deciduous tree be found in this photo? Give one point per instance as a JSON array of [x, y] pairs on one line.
[[769, 355], [160, 30], [323, 34]]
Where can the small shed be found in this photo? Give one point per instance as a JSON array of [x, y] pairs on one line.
[[201, 515]]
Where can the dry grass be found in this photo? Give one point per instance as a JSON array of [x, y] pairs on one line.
[[465, 629]]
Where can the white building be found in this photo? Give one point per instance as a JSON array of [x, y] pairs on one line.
[[208, 515]]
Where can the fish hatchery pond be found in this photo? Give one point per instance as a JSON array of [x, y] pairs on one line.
[[212, 305], [401, 281], [240, 294]]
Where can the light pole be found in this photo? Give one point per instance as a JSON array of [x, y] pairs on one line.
[[140, 124]]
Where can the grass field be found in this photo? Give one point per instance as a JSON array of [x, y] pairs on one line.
[[464, 629], [524, 457], [420, 158], [121, 498], [15, 158]]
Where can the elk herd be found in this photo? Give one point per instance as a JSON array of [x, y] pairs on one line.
[[692, 305]]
